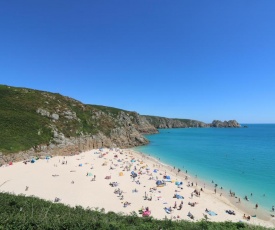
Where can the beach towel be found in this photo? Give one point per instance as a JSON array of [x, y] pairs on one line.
[[167, 210], [179, 197], [146, 213], [211, 213]]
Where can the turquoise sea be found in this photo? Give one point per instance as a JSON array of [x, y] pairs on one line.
[[240, 159]]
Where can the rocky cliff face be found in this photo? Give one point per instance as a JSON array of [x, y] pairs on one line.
[[126, 132], [164, 123]]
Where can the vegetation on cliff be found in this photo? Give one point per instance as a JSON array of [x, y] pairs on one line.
[[30, 118], [20, 212]]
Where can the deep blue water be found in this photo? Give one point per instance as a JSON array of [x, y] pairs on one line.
[[242, 160]]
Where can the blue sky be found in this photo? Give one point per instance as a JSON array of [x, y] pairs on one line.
[[200, 59]]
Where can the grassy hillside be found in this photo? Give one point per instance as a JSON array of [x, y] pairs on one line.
[[20, 212], [23, 128], [19, 122]]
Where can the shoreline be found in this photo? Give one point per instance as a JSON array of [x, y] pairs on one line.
[[243, 206], [263, 201], [70, 178]]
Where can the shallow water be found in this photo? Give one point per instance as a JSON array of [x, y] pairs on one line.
[[242, 160]]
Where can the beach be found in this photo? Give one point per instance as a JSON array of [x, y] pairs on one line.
[[125, 181]]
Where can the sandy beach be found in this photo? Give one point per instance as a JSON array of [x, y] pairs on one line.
[[122, 180]]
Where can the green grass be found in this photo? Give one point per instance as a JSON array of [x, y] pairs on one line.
[[19, 123], [20, 212], [110, 110]]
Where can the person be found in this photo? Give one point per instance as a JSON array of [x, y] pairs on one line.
[[256, 206], [273, 208]]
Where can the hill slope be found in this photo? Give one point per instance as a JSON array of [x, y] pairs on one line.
[[37, 122]]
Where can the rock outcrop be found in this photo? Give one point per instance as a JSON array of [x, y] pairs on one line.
[[225, 124]]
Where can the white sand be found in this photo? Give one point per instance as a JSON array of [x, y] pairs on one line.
[[39, 179]]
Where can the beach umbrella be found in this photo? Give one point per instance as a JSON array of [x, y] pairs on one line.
[[158, 182]]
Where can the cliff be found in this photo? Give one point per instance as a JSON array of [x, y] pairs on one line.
[[37, 123], [164, 123]]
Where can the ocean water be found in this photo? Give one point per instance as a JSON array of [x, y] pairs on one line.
[[242, 160]]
